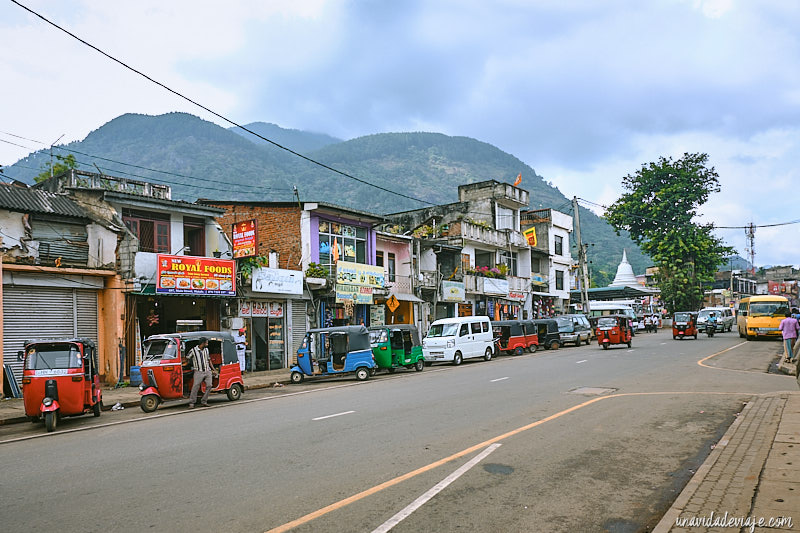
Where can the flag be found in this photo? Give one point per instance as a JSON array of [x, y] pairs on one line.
[[518, 180], [530, 235], [335, 251]]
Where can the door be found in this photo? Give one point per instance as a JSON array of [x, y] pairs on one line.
[[464, 341]]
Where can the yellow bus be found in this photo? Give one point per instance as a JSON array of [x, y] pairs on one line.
[[759, 316]]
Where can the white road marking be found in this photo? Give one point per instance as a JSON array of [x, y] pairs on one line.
[[331, 416], [422, 500], [498, 379], [663, 343], [582, 361]]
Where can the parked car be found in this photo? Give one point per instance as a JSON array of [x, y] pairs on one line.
[[574, 329], [459, 338], [725, 318]]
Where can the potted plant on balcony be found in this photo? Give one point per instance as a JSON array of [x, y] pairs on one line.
[[316, 275]]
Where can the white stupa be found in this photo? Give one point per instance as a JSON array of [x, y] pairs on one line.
[[625, 276]]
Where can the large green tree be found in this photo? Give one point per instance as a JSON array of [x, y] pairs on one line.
[[658, 211], [65, 163]]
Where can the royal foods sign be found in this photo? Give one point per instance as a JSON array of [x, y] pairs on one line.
[[201, 276]]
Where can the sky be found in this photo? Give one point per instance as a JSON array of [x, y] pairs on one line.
[[585, 92]]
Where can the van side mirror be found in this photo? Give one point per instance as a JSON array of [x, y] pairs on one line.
[[20, 355]]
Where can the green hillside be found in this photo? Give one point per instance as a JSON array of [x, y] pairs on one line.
[[204, 160], [297, 140]]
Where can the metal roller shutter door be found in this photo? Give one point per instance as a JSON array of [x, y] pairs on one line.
[[41, 312], [299, 326]]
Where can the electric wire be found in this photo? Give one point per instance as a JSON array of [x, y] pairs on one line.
[[218, 115]]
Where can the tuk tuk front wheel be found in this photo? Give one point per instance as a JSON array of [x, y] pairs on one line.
[[50, 421], [97, 407], [297, 377], [235, 392], [149, 403], [419, 366], [362, 373]]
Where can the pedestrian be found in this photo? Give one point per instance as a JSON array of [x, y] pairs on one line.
[[789, 329], [241, 348], [201, 363]]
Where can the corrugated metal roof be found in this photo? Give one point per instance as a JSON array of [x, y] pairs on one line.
[[29, 200]]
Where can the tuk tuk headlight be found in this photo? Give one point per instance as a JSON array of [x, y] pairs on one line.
[[451, 343], [141, 386], [47, 402]]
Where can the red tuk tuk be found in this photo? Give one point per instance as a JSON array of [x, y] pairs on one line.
[[165, 371], [510, 337], [684, 324], [614, 329], [60, 378]]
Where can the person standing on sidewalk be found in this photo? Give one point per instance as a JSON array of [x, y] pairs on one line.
[[201, 362], [789, 329]]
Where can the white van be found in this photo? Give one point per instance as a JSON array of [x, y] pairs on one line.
[[456, 339]]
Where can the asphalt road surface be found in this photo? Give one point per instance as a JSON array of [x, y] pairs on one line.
[[576, 439]]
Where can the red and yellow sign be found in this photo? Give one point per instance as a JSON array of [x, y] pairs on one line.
[[244, 239], [202, 276]]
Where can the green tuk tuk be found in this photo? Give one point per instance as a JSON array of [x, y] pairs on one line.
[[396, 345]]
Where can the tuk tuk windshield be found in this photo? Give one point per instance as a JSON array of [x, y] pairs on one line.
[[443, 330], [160, 349], [52, 356], [565, 324], [683, 317], [769, 309], [377, 336], [605, 322]]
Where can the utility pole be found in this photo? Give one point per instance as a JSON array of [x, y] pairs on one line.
[[581, 259], [51, 153]]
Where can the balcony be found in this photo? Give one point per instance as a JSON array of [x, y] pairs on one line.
[[401, 284], [518, 284], [464, 231], [430, 280]]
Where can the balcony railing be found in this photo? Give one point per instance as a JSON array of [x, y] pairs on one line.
[[430, 279], [498, 238]]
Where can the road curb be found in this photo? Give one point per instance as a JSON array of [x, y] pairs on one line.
[[669, 519]]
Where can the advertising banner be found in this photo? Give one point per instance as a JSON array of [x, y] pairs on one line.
[[516, 295], [377, 315], [277, 280], [244, 239], [353, 293], [200, 276], [453, 291], [260, 308], [495, 286], [358, 274]]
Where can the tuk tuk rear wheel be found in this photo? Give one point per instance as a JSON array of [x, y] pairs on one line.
[[362, 373], [419, 366], [97, 407], [533, 347], [149, 403], [519, 350], [297, 377], [554, 345], [605, 346], [391, 370], [50, 421], [235, 392]]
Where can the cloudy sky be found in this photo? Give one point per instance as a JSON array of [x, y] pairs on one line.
[[583, 91]]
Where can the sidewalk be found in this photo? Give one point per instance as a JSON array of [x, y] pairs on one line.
[[13, 411], [752, 473]]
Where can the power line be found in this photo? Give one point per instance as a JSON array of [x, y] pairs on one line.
[[218, 115]]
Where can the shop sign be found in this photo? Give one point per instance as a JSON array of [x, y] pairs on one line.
[[495, 286], [277, 280], [453, 291], [358, 274], [202, 276], [377, 315], [464, 309], [536, 279], [353, 293], [260, 308], [515, 295], [244, 239]]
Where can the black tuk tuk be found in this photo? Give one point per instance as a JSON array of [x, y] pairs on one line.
[[547, 331]]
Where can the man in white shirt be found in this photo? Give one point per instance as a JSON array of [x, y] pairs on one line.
[[201, 363]]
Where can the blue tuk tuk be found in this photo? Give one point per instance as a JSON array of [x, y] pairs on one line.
[[334, 351]]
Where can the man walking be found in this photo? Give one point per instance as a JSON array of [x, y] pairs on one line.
[[201, 362], [789, 329]]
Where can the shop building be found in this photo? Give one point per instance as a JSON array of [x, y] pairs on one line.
[[328, 251], [551, 260], [59, 278], [473, 257], [397, 302]]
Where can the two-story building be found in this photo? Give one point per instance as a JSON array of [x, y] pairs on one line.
[[397, 303], [551, 260], [473, 258], [59, 275]]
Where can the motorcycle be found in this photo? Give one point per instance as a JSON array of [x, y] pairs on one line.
[[710, 327]]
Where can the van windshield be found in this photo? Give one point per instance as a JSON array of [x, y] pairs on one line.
[[52, 356], [769, 309], [160, 349], [443, 330]]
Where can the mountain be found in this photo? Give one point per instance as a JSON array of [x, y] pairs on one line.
[[200, 159], [298, 140]]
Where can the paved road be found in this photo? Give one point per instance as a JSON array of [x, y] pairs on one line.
[[589, 440]]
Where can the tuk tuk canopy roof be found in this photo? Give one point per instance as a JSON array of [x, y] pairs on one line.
[[194, 335], [358, 336], [400, 327], [515, 326], [82, 340]]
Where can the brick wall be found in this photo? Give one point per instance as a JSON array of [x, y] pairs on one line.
[[278, 229]]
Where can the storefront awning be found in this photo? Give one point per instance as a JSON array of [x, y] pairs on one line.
[[405, 297], [545, 294]]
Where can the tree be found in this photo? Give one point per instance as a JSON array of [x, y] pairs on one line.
[[64, 164], [658, 212]]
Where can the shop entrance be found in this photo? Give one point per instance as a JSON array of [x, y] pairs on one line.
[[270, 343]]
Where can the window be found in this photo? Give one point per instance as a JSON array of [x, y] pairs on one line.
[[506, 218], [510, 260], [476, 327], [194, 236], [350, 243], [391, 267], [535, 265], [559, 280], [465, 264], [464, 330], [152, 230], [379, 258], [559, 245]]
